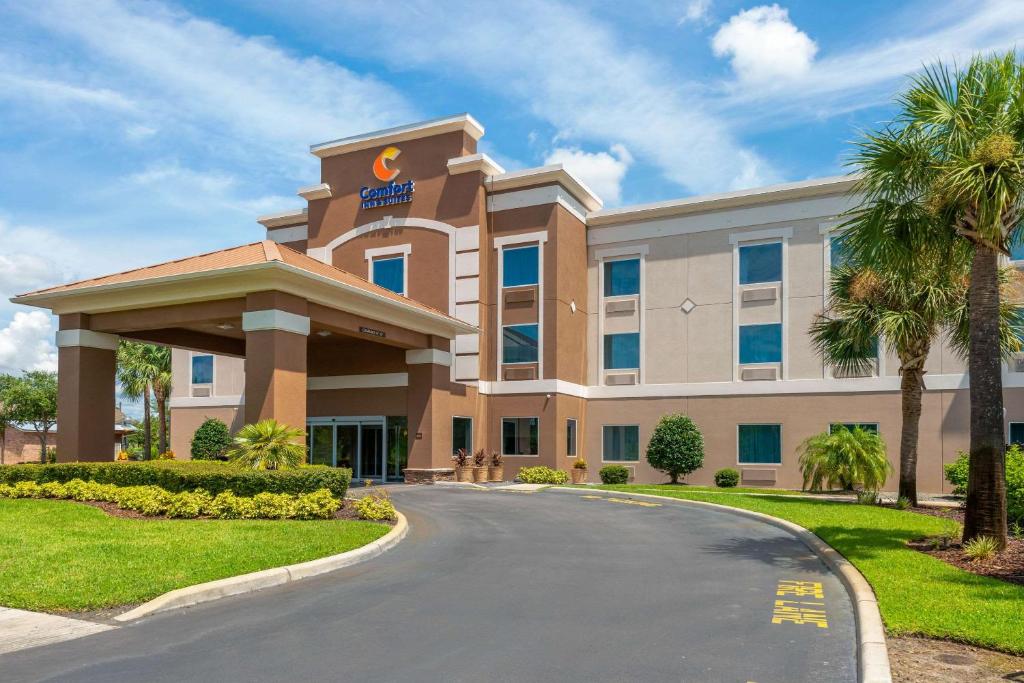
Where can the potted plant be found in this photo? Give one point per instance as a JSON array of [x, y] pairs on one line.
[[463, 472], [496, 472], [579, 471], [480, 466]]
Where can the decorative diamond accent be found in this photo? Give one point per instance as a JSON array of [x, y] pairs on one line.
[[688, 306]]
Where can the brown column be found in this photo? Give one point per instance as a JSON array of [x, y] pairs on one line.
[[430, 424], [86, 367], [275, 361]]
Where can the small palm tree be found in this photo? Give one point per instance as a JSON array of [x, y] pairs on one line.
[[844, 458], [268, 445]]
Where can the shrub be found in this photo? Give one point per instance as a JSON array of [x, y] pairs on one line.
[[676, 447], [902, 503], [268, 445], [981, 548], [166, 455], [843, 458], [727, 478], [189, 504], [613, 474], [317, 505], [957, 472], [867, 497], [543, 475], [175, 476], [211, 441], [579, 464], [375, 506]]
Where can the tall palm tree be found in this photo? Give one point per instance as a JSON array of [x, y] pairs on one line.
[[955, 150], [160, 357], [144, 372], [907, 310]]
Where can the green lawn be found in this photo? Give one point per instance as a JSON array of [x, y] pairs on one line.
[[63, 556], [917, 594], [657, 489]]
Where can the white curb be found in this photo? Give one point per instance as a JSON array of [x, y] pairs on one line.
[[247, 583], [872, 651]]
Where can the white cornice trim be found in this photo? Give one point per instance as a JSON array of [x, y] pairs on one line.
[[479, 162], [635, 250], [449, 124], [275, 319], [232, 401], [87, 338], [296, 233], [727, 200], [374, 381], [425, 356], [283, 219], [391, 250], [546, 175], [753, 235], [321, 191], [540, 236], [537, 196]]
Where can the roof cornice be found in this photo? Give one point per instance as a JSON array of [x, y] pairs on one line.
[[449, 124], [474, 162], [546, 175], [283, 219]]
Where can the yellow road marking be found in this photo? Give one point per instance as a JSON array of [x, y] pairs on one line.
[[800, 611]]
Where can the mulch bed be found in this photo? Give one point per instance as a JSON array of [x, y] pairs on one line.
[[1006, 566], [923, 660], [345, 512]]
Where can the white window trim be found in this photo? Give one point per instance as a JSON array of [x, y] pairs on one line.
[[501, 348], [388, 253], [619, 462], [502, 435], [782, 457], [191, 374], [759, 243], [741, 238], [472, 431], [621, 254], [764, 363], [524, 239], [575, 437]]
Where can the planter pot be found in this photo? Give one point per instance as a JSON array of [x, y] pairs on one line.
[[496, 473], [578, 476], [464, 474], [480, 474]]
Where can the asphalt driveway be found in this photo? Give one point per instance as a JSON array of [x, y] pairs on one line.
[[502, 586]]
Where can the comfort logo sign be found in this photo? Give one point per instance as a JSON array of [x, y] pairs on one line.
[[392, 192]]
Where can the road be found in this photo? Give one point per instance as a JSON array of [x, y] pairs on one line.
[[503, 586]]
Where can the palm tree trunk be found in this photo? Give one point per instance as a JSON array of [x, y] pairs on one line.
[[986, 483], [910, 396], [147, 427], [161, 411]]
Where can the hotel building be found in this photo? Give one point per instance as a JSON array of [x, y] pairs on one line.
[[424, 300]]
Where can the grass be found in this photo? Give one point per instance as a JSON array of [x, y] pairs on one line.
[[917, 594], [62, 556], [688, 488]]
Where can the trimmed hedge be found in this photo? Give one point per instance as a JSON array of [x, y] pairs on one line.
[[614, 474], [543, 475], [175, 477], [727, 477]]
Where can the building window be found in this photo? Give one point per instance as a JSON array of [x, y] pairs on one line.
[[202, 369], [866, 426], [622, 351], [761, 343], [1017, 433], [389, 273], [520, 435], [570, 437], [760, 444], [761, 263], [621, 443], [622, 277], [520, 266], [462, 434], [1017, 250], [838, 251], [519, 343]]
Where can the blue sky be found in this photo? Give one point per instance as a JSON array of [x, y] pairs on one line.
[[132, 133]]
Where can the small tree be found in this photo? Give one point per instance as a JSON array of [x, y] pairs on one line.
[[676, 447], [843, 458], [6, 413], [211, 441], [33, 399], [268, 445]]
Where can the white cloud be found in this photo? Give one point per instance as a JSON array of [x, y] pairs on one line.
[[696, 12], [764, 45], [27, 343], [601, 171]]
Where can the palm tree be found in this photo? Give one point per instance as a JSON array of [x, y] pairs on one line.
[[955, 150], [843, 458], [144, 372], [268, 445], [907, 309]]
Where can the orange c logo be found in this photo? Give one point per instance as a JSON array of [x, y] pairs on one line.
[[380, 166]]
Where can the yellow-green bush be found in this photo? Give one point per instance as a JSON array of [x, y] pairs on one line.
[[317, 505], [376, 506], [543, 475], [189, 504]]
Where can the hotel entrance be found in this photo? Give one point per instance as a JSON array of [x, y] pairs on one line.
[[374, 447]]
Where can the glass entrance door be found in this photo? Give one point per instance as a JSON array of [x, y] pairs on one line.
[[371, 451], [362, 444]]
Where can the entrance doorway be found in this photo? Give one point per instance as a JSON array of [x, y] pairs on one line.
[[372, 447]]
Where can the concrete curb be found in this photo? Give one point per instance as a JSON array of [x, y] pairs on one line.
[[872, 651], [248, 583]]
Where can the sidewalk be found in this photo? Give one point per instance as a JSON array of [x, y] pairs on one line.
[[20, 629]]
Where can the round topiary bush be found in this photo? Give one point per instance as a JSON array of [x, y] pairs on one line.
[[727, 477], [614, 474], [676, 447], [211, 440]]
